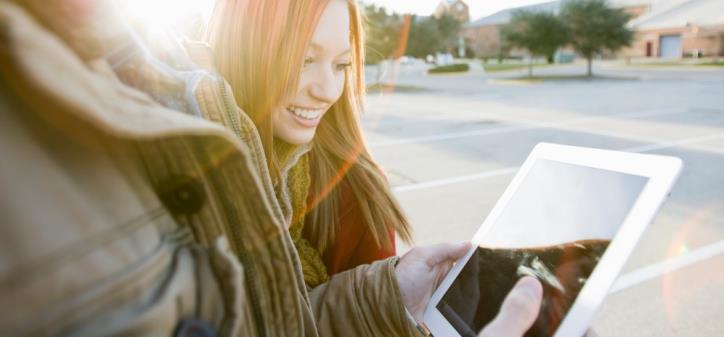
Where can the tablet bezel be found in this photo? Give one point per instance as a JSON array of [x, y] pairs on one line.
[[661, 171]]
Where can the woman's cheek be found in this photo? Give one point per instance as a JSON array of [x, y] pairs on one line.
[[340, 84]]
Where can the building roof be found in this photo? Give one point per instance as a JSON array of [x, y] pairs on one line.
[[680, 13], [504, 16], [662, 13]]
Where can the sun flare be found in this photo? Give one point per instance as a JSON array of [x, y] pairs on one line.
[[160, 15]]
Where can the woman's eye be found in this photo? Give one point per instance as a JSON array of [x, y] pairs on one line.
[[308, 61], [343, 66]]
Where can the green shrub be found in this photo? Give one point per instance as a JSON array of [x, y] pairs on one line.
[[718, 64], [451, 68]]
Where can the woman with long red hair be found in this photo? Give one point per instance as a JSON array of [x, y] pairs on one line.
[[295, 68]]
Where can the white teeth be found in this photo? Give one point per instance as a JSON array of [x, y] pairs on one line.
[[305, 113]]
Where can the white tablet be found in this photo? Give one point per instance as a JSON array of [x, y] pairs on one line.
[[570, 217]]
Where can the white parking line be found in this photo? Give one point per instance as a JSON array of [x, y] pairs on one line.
[[657, 269], [511, 170], [453, 180], [675, 143], [529, 126]]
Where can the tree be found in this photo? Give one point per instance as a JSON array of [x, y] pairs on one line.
[[392, 35], [429, 35], [540, 33], [595, 27], [382, 32], [448, 27], [424, 38]]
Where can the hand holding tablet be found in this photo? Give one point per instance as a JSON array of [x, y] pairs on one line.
[[570, 218], [422, 268]]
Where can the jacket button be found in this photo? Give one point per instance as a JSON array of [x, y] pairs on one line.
[[182, 195], [191, 327]]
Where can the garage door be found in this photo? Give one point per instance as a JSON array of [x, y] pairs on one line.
[[670, 46]]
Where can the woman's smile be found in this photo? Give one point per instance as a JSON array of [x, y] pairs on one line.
[[308, 117]]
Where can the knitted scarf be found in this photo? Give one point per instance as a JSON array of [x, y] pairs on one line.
[[292, 191]]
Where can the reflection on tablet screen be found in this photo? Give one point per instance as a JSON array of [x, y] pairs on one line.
[[555, 227]]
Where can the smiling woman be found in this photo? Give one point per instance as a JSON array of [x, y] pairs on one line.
[[295, 68], [321, 80]]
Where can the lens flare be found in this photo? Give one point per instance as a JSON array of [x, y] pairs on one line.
[[158, 16], [672, 288], [389, 85]]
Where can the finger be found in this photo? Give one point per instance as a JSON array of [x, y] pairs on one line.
[[446, 252], [519, 310]]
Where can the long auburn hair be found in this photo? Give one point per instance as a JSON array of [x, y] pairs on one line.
[[259, 47]]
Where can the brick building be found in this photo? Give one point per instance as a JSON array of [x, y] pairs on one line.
[[483, 35], [456, 8], [663, 28], [674, 29]]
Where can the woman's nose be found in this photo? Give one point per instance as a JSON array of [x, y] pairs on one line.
[[326, 87]]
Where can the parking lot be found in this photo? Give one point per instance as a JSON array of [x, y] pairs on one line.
[[450, 144]]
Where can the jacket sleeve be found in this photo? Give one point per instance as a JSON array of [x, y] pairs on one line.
[[364, 301]]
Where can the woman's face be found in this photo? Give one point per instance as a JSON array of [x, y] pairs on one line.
[[321, 80]]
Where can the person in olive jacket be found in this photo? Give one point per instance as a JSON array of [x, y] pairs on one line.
[[124, 217]]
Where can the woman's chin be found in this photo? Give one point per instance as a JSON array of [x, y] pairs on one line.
[[298, 137]]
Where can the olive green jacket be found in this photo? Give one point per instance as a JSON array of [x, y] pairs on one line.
[[123, 217]]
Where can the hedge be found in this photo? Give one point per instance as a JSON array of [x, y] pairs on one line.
[[451, 68]]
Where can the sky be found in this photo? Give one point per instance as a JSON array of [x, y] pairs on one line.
[[478, 8], [163, 12]]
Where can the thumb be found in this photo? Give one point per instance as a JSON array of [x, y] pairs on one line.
[[447, 252], [519, 310]]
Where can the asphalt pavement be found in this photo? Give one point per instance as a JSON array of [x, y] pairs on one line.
[[450, 145]]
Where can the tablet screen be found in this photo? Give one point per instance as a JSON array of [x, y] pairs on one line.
[[556, 226]]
